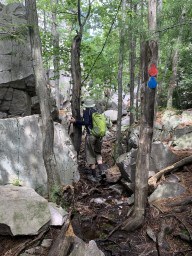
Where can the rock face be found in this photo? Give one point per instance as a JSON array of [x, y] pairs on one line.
[[167, 190], [17, 84], [22, 211], [161, 156], [177, 129], [21, 159]]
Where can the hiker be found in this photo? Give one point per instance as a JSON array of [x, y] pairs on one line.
[[93, 144]]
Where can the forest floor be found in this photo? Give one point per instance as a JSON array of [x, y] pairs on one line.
[[98, 208]]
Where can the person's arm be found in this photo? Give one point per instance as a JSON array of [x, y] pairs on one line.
[[86, 119]]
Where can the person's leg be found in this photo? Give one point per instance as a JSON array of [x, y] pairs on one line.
[[90, 153], [98, 147]]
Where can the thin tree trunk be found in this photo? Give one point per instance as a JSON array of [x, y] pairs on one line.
[[55, 42], [76, 77], [76, 89], [173, 79], [42, 92], [132, 65], [146, 130], [118, 147], [140, 67]]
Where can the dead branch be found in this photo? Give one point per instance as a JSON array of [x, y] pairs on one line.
[[187, 201], [63, 243], [152, 182], [20, 248]]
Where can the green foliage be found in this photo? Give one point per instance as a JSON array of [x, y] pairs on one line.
[[56, 194], [16, 182]]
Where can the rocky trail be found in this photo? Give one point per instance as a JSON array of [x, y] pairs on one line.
[[98, 209]]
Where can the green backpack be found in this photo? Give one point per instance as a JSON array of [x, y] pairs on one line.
[[99, 125]]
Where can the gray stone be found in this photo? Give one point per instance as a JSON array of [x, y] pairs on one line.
[[3, 115], [187, 116], [21, 154], [179, 132], [127, 165], [46, 243], [112, 114], [184, 142], [58, 214], [82, 249], [20, 104], [166, 190], [22, 211], [134, 137], [151, 234], [173, 178], [161, 156], [125, 121], [16, 70], [6, 93]]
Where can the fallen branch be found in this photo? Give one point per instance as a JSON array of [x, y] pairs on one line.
[[63, 243], [19, 249], [152, 182], [184, 202]]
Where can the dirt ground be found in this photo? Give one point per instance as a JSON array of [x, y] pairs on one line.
[[98, 208]]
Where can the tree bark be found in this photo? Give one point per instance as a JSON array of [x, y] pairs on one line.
[[76, 77], [132, 65], [43, 95], [76, 89], [146, 130], [55, 42], [118, 146], [173, 80]]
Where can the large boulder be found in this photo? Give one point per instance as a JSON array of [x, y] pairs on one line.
[[112, 114], [21, 159], [167, 190], [161, 156], [22, 211], [17, 83], [127, 165]]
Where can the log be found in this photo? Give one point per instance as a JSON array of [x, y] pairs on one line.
[[64, 242], [152, 182]]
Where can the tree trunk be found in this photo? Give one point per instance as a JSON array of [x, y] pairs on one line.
[[55, 42], [76, 89], [118, 147], [140, 76], [42, 92], [76, 77], [146, 131], [132, 64], [173, 79]]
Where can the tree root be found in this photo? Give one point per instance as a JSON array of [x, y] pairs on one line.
[[19, 249], [135, 221], [152, 182]]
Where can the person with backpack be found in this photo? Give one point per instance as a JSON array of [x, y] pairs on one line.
[[95, 130]]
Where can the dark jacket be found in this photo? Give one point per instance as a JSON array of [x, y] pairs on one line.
[[87, 119]]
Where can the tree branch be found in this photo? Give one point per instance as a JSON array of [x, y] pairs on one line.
[[173, 26], [153, 180], [79, 12], [103, 44]]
